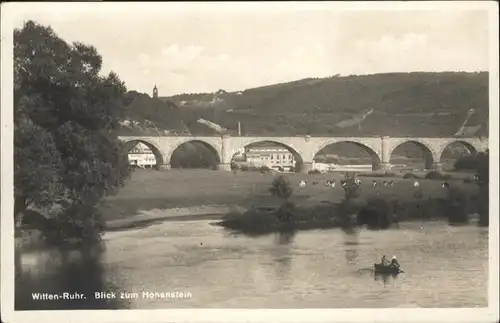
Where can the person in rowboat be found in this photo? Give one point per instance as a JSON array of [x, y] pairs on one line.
[[394, 262], [384, 261]]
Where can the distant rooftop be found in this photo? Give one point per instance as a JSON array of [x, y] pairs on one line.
[[140, 148]]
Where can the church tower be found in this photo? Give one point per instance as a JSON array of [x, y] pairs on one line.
[[155, 92]]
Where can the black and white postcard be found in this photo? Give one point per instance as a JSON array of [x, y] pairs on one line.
[[249, 161]]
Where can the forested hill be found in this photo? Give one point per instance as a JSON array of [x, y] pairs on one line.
[[398, 104]]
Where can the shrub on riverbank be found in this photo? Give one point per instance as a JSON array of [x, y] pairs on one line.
[[252, 221], [469, 162], [285, 217], [282, 189], [377, 213], [347, 209], [257, 222], [455, 206]]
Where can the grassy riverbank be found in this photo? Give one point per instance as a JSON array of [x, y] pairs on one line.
[[187, 190], [151, 196], [259, 222]]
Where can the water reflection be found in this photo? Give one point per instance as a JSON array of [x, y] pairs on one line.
[[351, 255], [285, 237], [308, 269], [282, 258], [351, 242], [384, 278], [78, 273]]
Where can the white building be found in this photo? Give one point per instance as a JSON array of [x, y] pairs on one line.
[[141, 156], [274, 157]]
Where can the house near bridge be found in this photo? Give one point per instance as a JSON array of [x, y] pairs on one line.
[[141, 156], [272, 156]]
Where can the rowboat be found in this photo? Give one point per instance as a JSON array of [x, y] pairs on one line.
[[382, 269]]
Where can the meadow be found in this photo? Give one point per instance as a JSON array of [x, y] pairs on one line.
[[151, 189]]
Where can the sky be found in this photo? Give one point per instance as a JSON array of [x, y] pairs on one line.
[[202, 49]]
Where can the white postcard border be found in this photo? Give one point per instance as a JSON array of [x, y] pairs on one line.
[[12, 12]]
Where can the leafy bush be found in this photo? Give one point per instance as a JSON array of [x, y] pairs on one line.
[[376, 214], [435, 175], [347, 208], [455, 206], [281, 187], [314, 171], [466, 162], [250, 221], [347, 213], [351, 189], [244, 168], [286, 212]]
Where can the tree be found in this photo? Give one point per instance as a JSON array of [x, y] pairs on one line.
[[282, 189], [351, 188], [466, 162], [347, 209], [66, 118], [37, 159]]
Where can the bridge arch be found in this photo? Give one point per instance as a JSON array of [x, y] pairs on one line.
[[448, 155], [155, 150], [410, 153], [375, 158], [247, 146], [194, 153], [472, 149]]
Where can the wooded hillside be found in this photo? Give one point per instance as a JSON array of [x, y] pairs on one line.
[[403, 104]]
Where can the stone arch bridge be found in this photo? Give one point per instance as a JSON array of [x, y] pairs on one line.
[[305, 148]]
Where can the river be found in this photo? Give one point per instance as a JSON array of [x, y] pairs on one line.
[[444, 267]]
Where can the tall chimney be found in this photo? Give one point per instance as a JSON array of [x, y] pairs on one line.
[[239, 128]]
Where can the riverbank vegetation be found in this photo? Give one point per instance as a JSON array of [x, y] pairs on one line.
[[468, 162], [284, 217], [150, 189], [66, 153], [374, 212]]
